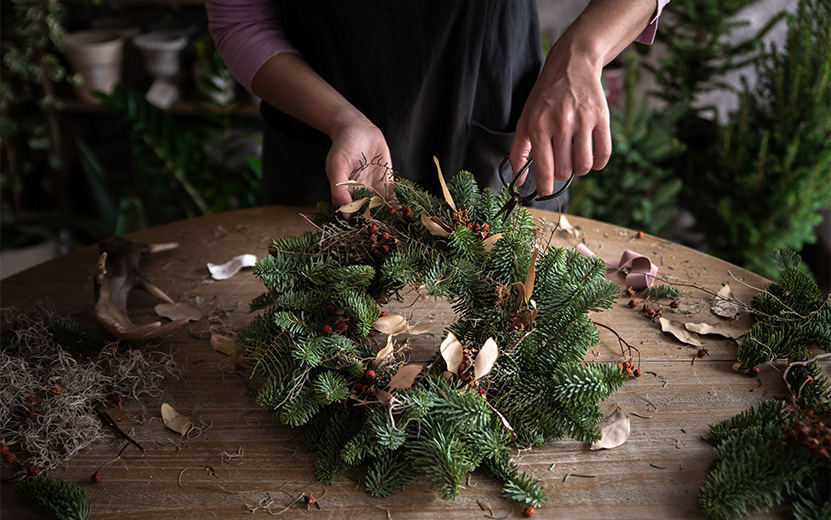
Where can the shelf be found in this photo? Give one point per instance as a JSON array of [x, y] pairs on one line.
[[180, 107]]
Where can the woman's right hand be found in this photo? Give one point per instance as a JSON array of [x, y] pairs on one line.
[[360, 153]]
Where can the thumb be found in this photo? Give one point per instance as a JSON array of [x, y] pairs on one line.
[[338, 172]]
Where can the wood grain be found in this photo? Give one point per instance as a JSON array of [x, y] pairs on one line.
[[241, 457]]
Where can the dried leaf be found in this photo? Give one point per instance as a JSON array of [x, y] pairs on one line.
[[175, 421], [421, 328], [383, 396], [452, 352], [374, 202], [405, 377], [444, 189], [491, 241], [225, 344], [434, 227], [677, 329], [723, 304], [505, 422], [384, 354], [531, 275], [351, 183], [353, 206], [392, 324], [566, 227], [728, 330], [485, 359], [614, 430], [177, 311]]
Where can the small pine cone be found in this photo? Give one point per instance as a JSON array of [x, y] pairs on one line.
[[529, 511]]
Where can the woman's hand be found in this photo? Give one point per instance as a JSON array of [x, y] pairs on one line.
[[359, 152]]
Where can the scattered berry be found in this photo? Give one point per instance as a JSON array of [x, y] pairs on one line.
[[630, 291], [701, 352], [628, 371], [311, 500], [673, 304], [637, 372], [4, 449], [407, 212], [383, 313], [529, 511], [633, 303], [373, 228], [385, 248], [486, 227], [33, 471], [754, 372], [342, 326], [327, 329], [95, 478], [641, 234], [369, 375]]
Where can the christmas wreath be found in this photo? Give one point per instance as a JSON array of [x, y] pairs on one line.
[[510, 371]]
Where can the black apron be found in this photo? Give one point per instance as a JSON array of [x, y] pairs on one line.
[[442, 78]]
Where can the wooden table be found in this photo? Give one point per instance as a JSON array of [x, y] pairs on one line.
[[251, 459]]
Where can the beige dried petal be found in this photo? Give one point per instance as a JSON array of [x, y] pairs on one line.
[[353, 206], [723, 304], [374, 202], [405, 377], [677, 329], [614, 430], [433, 226], [383, 396], [728, 330], [485, 359], [392, 324], [444, 189], [452, 352], [383, 355], [175, 421], [224, 344], [421, 328], [491, 241], [177, 311]]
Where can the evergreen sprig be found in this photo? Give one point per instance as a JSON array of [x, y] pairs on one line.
[[314, 340], [64, 499]]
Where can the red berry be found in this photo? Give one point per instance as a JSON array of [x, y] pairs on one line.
[[56, 390], [407, 212], [330, 309], [702, 352], [809, 380], [641, 234], [384, 235], [369, 375], [673, 304], [327, 329], [486, 227], [359, 387], [33, 470], [4, 449], [383, 313], [637, 372], [628, 371], [341, 326], [393, 211], [529, 511], [95, 478], [11, 458], [754, 372], [481, 391], [385, 248], [31, 399], [630, 291], [373, 228], [633, 303]]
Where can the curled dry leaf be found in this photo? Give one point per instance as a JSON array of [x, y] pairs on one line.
[[677, 329], [485, 359], [232, 266], [385, 354], [434, 226], [177, 311], [491, 241], [374, 202], [452, 352], [405, 377], [353, 206], [444, 189], [728, 330], [396, 324], [383, 396], [566, 227], [175, 421], [723, 304], [224, 344], [614, 430], [531, 275]]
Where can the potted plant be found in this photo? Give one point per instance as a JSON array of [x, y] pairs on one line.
[[210, 74]]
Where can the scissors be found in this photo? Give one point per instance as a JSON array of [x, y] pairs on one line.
[[516, 198]]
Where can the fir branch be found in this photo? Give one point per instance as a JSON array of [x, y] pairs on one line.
[[64, 499]]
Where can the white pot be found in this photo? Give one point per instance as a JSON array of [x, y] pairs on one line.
[[95, 55], [161, 50]]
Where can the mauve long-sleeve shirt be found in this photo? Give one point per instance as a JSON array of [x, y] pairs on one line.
[[248, 32]]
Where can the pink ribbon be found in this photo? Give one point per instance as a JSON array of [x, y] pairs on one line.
[[639, 269]]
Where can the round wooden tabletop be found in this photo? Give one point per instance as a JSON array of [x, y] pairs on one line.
[[242, 461]]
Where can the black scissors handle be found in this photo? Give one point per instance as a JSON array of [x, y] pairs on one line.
[[527, 198]]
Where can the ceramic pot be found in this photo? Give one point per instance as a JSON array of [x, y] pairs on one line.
[[95, 55], [161, 51]]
